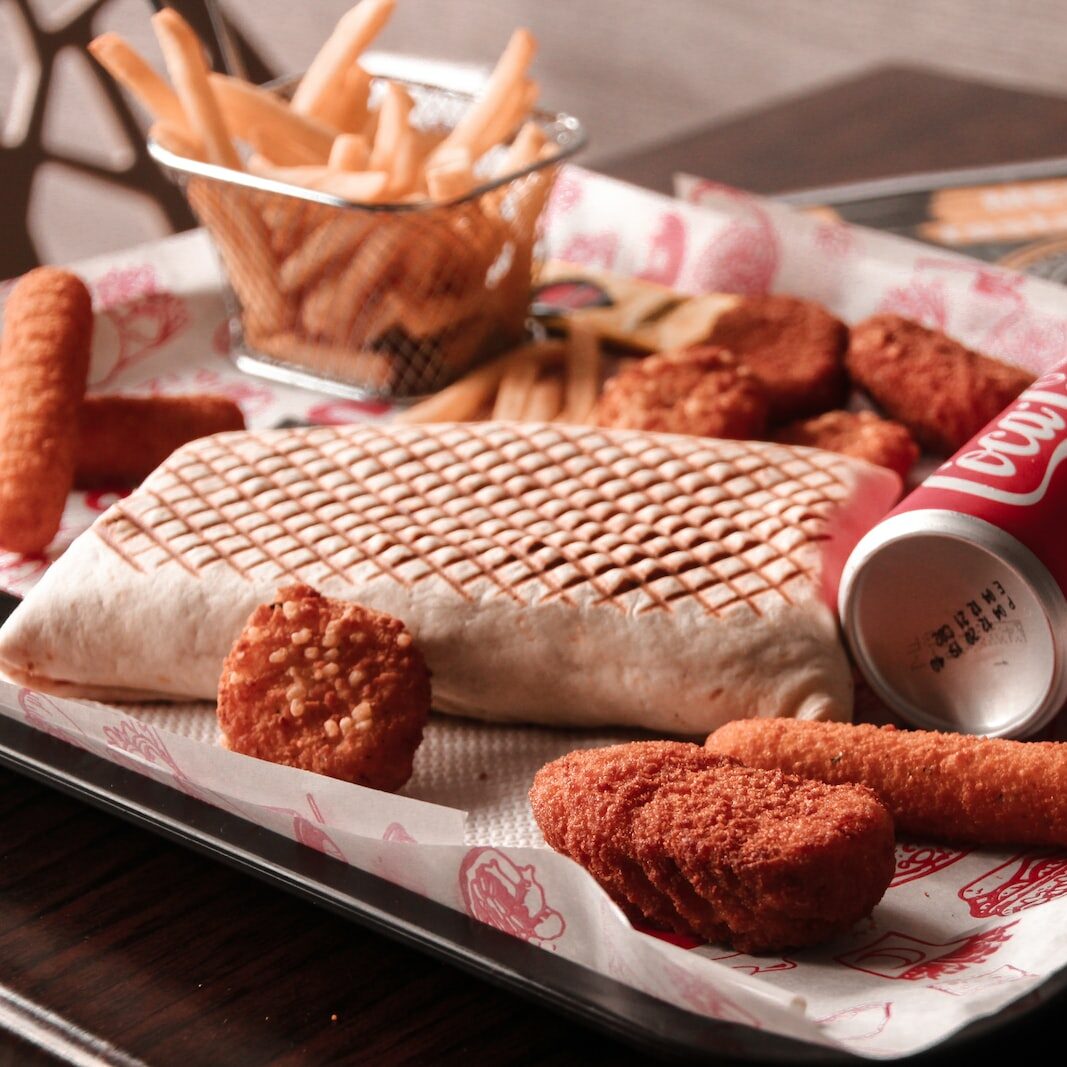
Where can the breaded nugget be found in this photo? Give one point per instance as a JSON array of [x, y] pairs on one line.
[[795, 347], [757, 859], [44, 363], [122, 439], [860, 434], [584, 804], [950, 787], [942, 392], [765, 861], [702, 390], [328, 686]]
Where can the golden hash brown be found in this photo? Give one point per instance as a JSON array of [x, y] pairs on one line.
[[756, 859], [584, 805], [327, 686]]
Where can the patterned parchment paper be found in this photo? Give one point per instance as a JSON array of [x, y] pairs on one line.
[[961, 933]]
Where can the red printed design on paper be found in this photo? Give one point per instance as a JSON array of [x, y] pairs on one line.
[[134, 738], [253, 398], [566, 195], [900, 956], [308, 833], [700, 994], [43, 714], [834, 239], [980, 983], [343, 412], [921, 299], [395, 832], [918, 861], [143, 314], [1022, 882], [666, 252], [860, 1023], [744, 256], [592, 249], [742, 961], [505, 895]]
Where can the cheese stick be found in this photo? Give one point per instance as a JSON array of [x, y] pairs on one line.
[[951, 787]]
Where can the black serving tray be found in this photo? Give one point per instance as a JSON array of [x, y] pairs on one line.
[[627, 1014]]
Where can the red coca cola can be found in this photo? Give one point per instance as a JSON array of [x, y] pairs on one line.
[[954, 605]]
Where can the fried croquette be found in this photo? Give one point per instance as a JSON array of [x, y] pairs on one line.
[[860, 434], [795, 348], [941, 391], [702, 390], [756, 859], [941, 786], [44, 363], [584, 804], [765, 861], [327, 686], [122, 439]]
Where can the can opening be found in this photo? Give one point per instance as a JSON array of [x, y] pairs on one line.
[[951, 635]]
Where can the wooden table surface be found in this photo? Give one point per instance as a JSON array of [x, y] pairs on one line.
[[116, 945]]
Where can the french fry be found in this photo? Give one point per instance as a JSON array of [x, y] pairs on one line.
[[347, 111], [324, 250], [282, 135], [544, 401], [392, 124], [524, 150], [510, 116], [176, 139], [244, 246], [134, 73], [507, 76], [325, 77], [581, 372], [358, 187], [184, 56], [463, 399], [350, 152], [452, 177], [514, 392], [375, 370]]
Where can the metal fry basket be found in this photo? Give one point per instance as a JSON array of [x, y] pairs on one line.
[[376, 300]]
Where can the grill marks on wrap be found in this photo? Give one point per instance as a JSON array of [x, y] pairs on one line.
[[641, 521]]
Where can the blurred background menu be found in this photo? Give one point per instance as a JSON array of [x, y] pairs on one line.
[[77, 181]]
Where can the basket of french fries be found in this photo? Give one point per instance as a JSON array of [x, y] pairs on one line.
[[377, 234]]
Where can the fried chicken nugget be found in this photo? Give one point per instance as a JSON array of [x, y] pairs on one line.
[[703, 390], [44, 363], [584, 804], [327, 686], [756, 859], [765, 861], [950, 787], [795, 348], [122, 439], [941, 391], [860, 434]]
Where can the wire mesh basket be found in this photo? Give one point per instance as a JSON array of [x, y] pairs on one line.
[[376, 300]]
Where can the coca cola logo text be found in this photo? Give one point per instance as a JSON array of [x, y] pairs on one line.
[[1024, 445]]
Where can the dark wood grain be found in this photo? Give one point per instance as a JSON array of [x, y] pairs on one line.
[[896, 120], [173, 959]]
